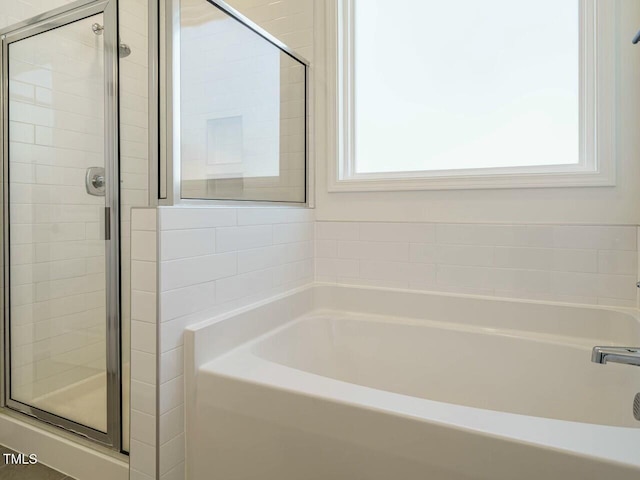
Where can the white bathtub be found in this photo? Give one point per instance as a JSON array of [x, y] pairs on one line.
[[357, 383]]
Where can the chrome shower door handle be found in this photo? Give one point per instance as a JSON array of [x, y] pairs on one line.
[[95, 182]]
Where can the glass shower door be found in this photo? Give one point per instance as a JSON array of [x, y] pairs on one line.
[[61, 258]]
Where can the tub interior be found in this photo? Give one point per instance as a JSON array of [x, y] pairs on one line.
[[527, 372]]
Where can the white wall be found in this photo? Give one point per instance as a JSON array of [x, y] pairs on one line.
[[14, 11], [604, 205], [209, 261], [577, 264], [144, 386], [134, 158], [291, 21], [214, 260]]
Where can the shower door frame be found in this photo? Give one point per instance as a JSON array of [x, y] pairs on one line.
[[53, 19]]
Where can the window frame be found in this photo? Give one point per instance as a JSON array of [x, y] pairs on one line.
[[597, 165]]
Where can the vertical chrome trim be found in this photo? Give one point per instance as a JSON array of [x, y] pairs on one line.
[[346, 96], [164, 89], [311, 123], [309, 159], [4, 155], [170, 108], [175, 165], [155, 151], [112, 199], [57, 18], [154, 102]]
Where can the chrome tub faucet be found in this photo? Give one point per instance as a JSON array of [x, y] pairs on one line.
[[626, 355]]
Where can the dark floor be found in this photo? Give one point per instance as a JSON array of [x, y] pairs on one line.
[[27, 472]]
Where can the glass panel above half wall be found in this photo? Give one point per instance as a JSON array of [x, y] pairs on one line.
[[242, 111]]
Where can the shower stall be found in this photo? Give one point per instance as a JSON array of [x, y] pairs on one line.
[[63, 355]]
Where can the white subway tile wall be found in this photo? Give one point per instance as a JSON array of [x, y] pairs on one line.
[[212, 260], [230, 258], [288, 258], [585, 264], [134, 157], [144, 337]]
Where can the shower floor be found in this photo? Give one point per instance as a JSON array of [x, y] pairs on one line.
[[85, 402]]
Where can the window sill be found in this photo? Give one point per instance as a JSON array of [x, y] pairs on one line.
[[381, 183]]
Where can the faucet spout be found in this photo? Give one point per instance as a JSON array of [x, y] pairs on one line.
[[625, 355]]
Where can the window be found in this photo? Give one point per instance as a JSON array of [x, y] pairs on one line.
[[465, 94]]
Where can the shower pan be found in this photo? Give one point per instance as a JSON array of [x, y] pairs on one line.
[[62, 359]]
